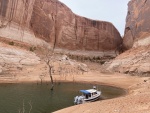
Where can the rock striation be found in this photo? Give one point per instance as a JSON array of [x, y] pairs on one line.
[[13, 60], [51, 23], [9, 55], [136, 60], [137, 31]]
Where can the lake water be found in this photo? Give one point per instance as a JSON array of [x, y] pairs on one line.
[[17, 97]]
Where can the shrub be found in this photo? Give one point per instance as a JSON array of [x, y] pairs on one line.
[[32, 49], [11, 43]]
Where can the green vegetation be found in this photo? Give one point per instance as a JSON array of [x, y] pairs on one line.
[[32, 49], [96, 59], [11, 43]]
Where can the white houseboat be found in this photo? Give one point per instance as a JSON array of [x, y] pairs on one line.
[[87, 96]]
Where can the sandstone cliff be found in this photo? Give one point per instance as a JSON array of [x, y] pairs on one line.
[[136, 60], [51, 23], [137, 31]]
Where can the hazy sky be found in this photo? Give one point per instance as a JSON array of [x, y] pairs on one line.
[[114, 11]]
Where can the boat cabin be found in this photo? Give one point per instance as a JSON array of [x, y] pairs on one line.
[[89, 93], [87, 96]]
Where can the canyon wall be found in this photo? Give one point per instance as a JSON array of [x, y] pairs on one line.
[[137, 31], [136, 60], [51, 23]]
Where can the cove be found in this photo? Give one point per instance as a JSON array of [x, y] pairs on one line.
[[17, 97]]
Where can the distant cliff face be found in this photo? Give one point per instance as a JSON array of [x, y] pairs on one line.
[[35, 21], [70, 31], [137, 30]]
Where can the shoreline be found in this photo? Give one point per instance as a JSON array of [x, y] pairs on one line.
[[69, 79], [136, 99], [64, 81], [130, 89], [93, 80]]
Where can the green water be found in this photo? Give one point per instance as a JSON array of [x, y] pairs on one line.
[[16, 97]]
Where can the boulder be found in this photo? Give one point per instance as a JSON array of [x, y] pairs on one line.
[[64, 58], [83, 67], [144, 68]]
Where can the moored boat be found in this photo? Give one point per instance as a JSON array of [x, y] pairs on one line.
[[87, 96]]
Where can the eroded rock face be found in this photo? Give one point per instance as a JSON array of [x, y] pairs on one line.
[[63, 29], [17, 57], [12, 60], [136, 60], [53, 22], [137, 24]]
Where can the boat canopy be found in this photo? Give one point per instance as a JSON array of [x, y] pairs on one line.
[[88, 91], [85, 91]]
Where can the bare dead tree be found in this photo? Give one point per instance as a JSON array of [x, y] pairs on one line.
[[41, 78], [48, 57], [50, 66], [60, 70]]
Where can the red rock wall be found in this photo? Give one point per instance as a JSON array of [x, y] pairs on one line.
[[137, 22], [55, 23], [135, 61]]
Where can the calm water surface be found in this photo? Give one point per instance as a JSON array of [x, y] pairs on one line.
[[14, 96]]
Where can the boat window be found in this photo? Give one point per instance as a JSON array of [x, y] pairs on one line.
[[89, 95], [86, 96]]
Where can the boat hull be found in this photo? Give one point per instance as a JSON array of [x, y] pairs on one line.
[[92, 99], [82, 99]]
